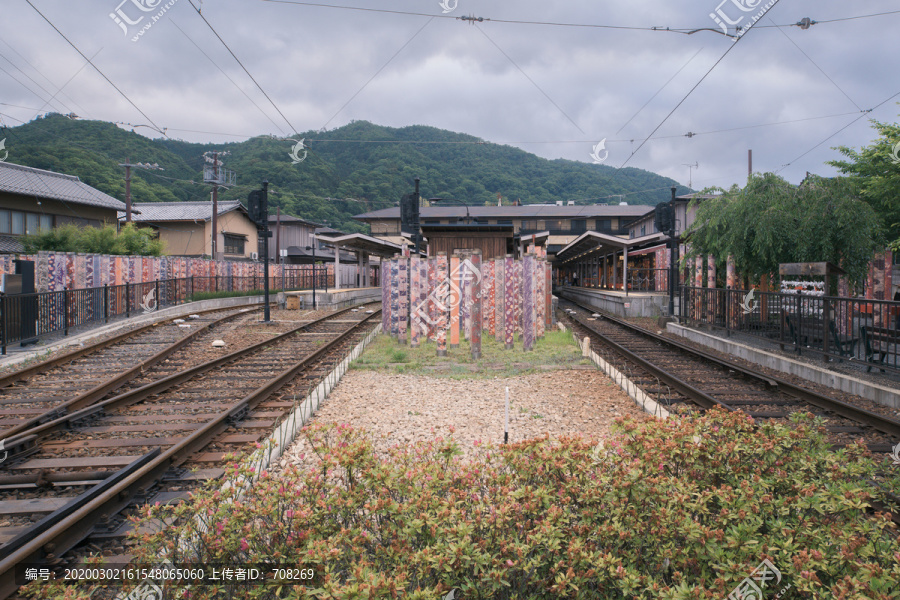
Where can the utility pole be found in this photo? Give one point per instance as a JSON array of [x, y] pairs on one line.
[[216, 174], [127, 164], [749, 164]]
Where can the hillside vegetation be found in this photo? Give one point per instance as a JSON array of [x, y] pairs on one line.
[[347, 171]]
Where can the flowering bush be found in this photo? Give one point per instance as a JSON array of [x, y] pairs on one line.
[[677, 509]]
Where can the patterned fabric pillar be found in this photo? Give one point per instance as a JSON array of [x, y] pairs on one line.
[[442, 302], [404, 300], [424, 290], [475, 291], [711, 304], [732, 307], [879, 292], [518, 267], [499, 302], [395, 296], [510, 301], [433, 282], [528, 302], [698, 282], [539, 298], [454, 301], [385, 297], [414, 319], [465, 286], [489, 299], [548, 295]]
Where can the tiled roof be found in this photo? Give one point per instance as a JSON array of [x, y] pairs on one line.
[[179, 211], [519, 212], [11, 244], [26, 181]]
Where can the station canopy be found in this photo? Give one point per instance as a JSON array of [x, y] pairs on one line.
[[358, 242], [592, 243]]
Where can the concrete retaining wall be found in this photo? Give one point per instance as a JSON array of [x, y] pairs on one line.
[[642, 305]]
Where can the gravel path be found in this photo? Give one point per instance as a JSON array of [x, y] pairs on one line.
[[416, 408]]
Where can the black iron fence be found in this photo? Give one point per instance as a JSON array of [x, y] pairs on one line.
[[25, 317], [853, 329]]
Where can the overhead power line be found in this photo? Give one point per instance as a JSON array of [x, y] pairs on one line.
[[233, 55], [90, 62], [682, 30]]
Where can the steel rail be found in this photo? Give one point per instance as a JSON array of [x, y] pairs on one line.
[[154, 387], [695, 394], [46, 365], [843, 409], [114, 383], [65, 534]]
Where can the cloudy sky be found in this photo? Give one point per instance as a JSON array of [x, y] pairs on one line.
[[553, 78]]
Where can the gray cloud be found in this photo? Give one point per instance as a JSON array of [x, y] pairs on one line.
[[312, 60]]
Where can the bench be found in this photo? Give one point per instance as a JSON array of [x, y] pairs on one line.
[[806, 329], [880, 342]]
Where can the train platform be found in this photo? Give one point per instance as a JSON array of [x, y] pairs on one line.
[[331, 298], [851, 375], [619, 303]]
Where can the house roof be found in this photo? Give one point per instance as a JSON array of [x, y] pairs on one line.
[[522, 212], [11, 244], [27, 181], [288, 219], [180, 211]]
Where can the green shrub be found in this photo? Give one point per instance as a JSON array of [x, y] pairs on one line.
[[677, 509], [129, 240]]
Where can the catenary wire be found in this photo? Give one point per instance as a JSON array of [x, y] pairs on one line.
[[102, 74], [233, 55], [233, 82]]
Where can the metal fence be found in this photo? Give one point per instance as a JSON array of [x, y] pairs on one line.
[[24, 317], [853, 329]]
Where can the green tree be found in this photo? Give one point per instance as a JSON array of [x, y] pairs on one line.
[[130, 240], [771, 221], [876, 168]]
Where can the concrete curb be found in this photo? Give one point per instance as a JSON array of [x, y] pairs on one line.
[[647, 404], [846, 383], [286, 433]]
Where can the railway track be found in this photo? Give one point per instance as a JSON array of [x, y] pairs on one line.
[[686, 379], [85, 471], [49, 389]]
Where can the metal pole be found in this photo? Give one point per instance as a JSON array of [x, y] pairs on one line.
[[215, 206], [66, 305], [314, 274], [672, 268], [266, 234], [127, 190], [106, 302]]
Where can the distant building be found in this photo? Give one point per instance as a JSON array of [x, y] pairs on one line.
[[186, 228], [562, 223], [32, 200]]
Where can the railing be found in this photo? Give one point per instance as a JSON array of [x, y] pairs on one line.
[[26, 317], [852, 329]]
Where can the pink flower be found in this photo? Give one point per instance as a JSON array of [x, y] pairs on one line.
[[244, 545]]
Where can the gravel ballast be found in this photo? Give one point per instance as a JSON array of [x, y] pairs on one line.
[[402, 408]]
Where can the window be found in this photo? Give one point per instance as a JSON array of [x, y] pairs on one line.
[[31, 223], [234, 244], [643, 230], [18, 223], [47, 222], [530, 225], [558, 224], [579, 225], [504, 222], [604, 225], [4, 221]]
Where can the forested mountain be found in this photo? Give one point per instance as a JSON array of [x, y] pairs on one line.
[[347, 171]]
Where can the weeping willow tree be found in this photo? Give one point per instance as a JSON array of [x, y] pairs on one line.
[[770, 221]]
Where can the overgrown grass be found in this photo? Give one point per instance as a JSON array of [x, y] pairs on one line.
[[197, 296], [556, 349]]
